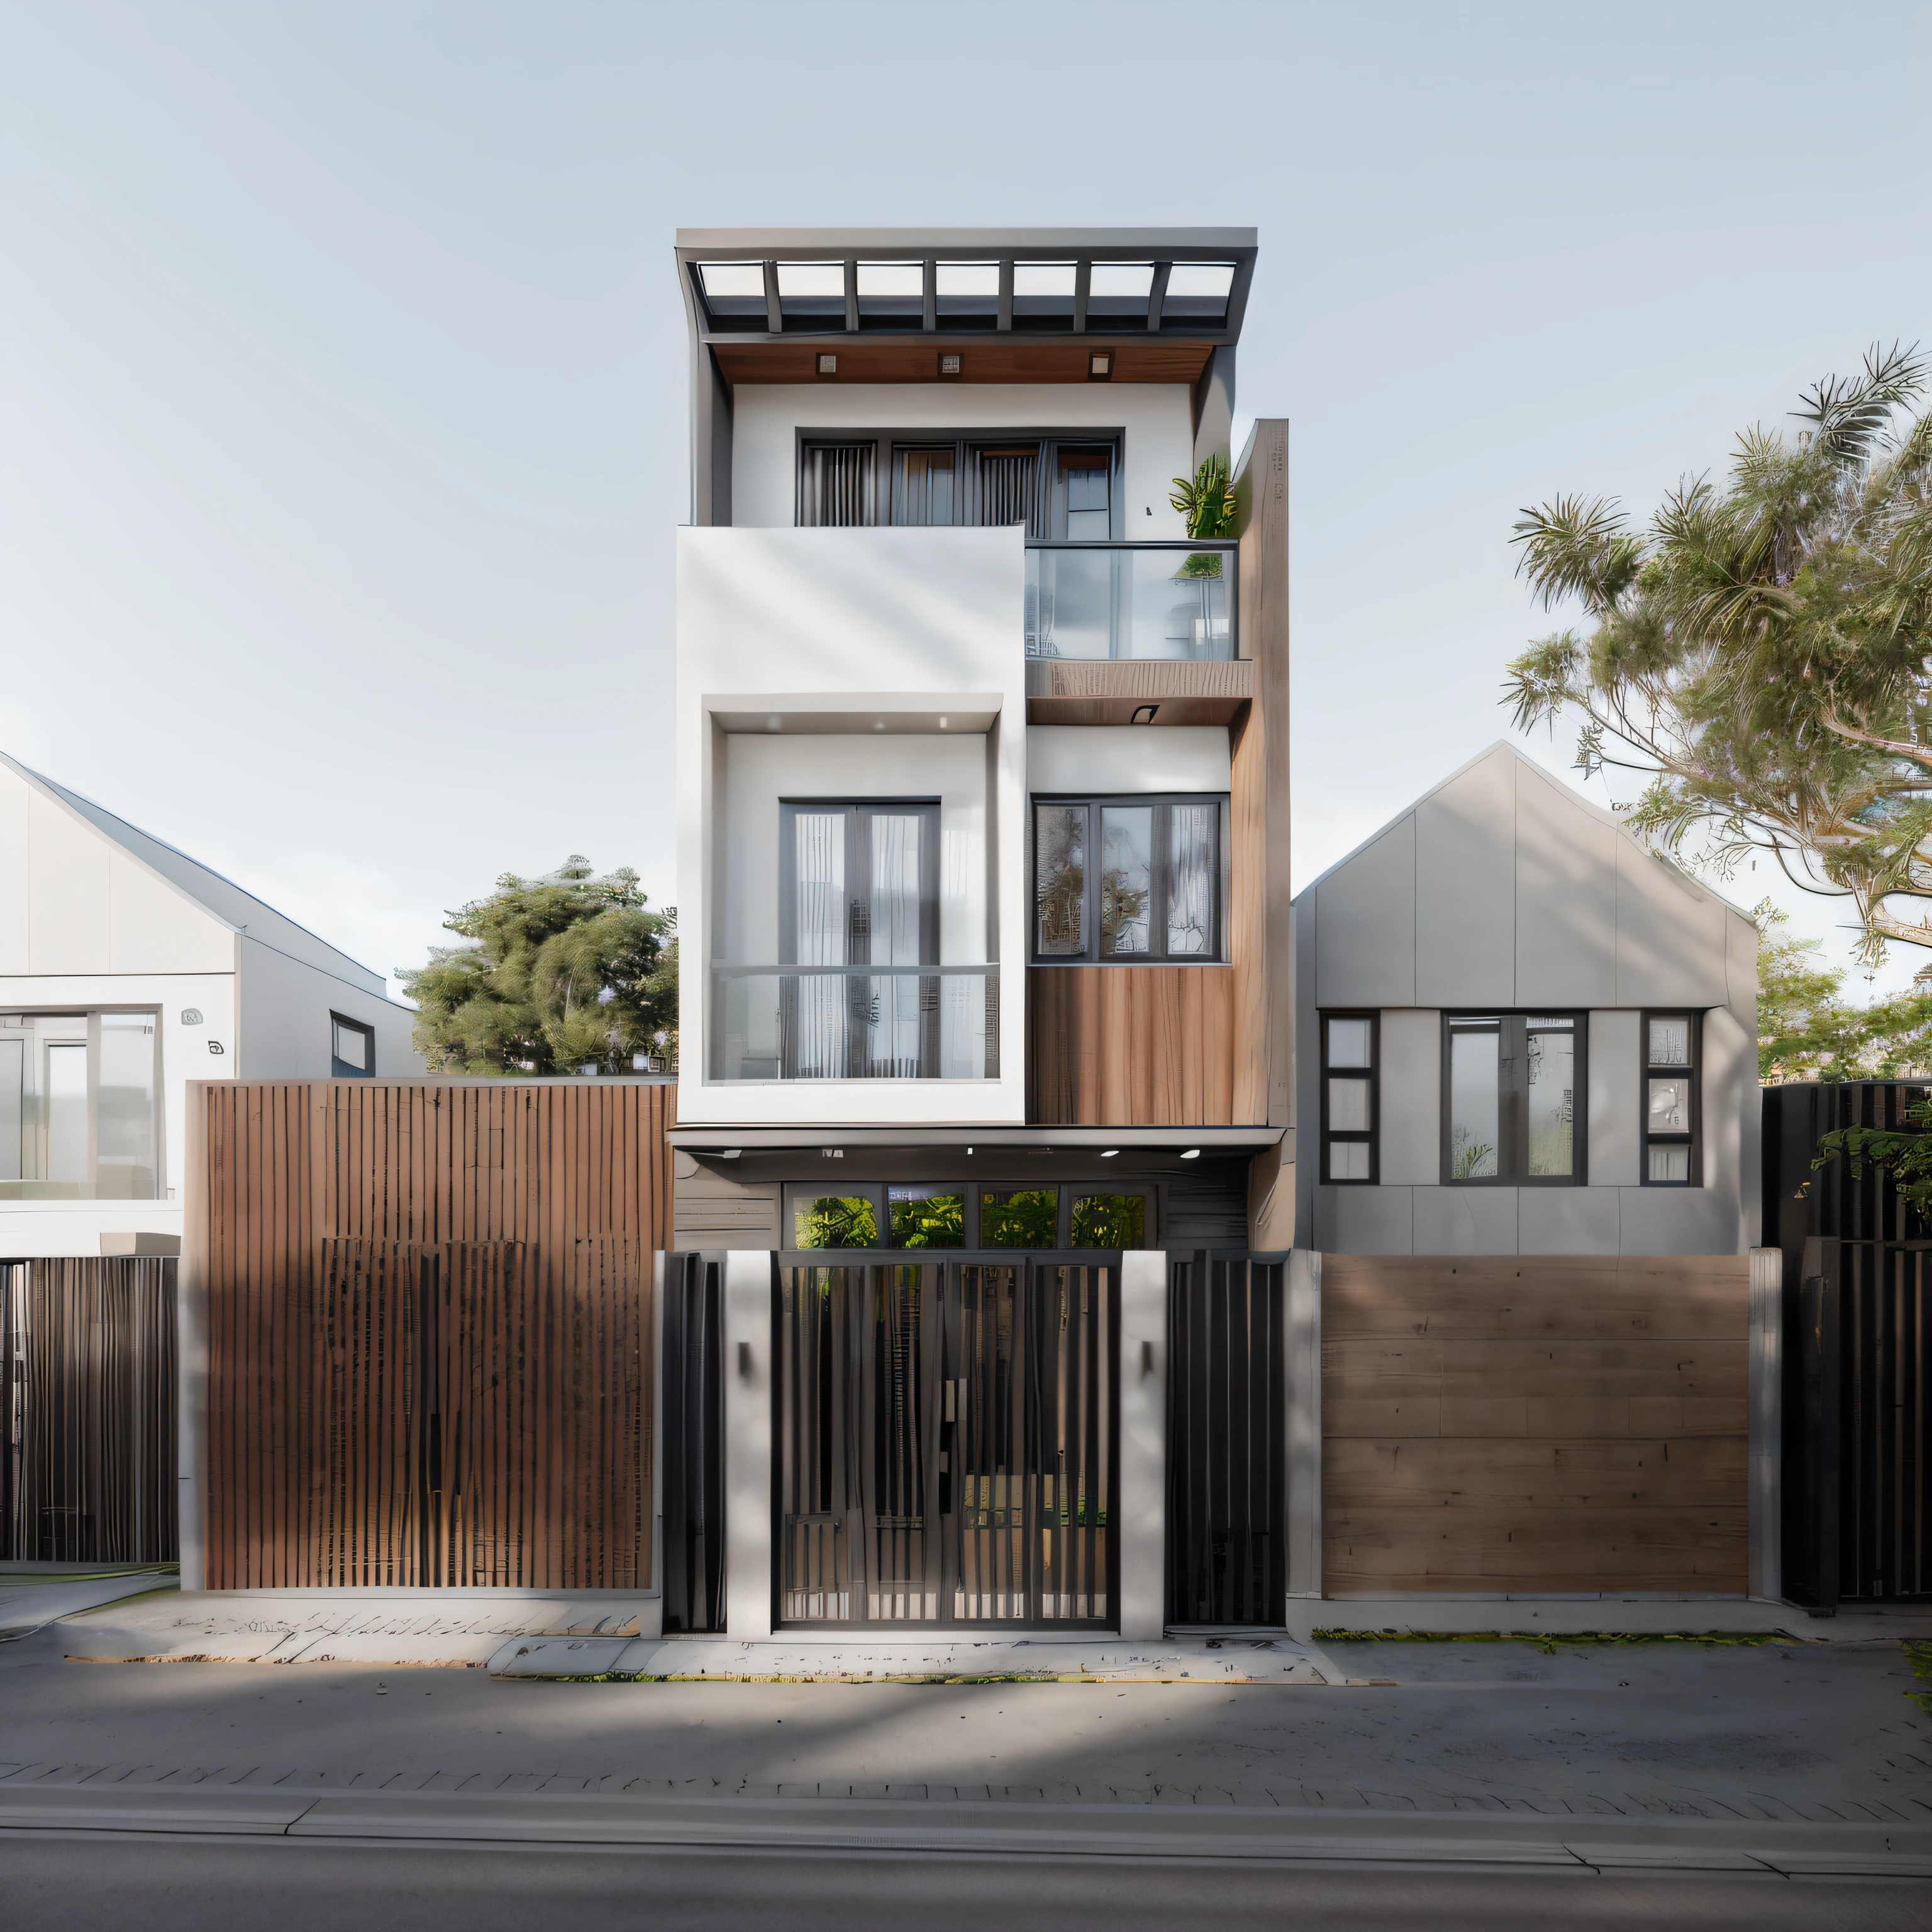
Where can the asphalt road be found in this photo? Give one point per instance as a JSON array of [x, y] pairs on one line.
[[1789, 1731]]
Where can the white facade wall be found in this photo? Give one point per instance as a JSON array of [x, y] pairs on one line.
[[1156, 420], [1105, 758], [1502, 890], [854, 662]]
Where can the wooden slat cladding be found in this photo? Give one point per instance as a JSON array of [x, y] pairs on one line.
[[1130, 1046], [429, 1331], [1535, 1423], [1109, 691]]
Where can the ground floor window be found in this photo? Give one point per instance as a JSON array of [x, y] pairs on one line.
[[1511, 1083], [78, 1119], [1046, 1218]]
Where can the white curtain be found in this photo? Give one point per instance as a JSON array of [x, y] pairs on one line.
[[1190, 872], [820, 941], [893, 1049]]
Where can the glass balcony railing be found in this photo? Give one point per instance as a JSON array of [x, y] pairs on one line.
[[1145, 601], [855, 1022]]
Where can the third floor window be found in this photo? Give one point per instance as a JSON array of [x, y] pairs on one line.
[[1053, 487]]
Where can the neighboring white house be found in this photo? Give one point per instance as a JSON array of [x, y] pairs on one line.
[[1521, 1032], [126, 971]]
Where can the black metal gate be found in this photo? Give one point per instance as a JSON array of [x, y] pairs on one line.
[[1226, 1442], [1856, 1490], [946, 1438], [693, 1382], [87, 1411]]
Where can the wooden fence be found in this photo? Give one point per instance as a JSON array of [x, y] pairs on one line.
[[429, 1329], [1543, 1423]]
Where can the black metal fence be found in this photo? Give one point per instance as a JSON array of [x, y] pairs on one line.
[[87, 1411], [1857, 1519], [693, 1382], [1226, 1441]]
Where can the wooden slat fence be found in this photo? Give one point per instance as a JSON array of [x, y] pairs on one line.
[[1535, 1423], [429, 1328]]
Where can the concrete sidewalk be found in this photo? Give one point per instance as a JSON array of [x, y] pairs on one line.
[[33, 1595]]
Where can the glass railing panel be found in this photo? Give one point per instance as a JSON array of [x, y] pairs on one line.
[[1144, 601], [856, 1023]]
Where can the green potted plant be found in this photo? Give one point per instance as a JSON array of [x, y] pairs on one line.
[[1207, 503]]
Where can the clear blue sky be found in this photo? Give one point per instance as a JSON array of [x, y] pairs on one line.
[[342, 364]]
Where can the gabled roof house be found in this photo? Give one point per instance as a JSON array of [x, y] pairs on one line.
[[1523, 1032], [128, 969]]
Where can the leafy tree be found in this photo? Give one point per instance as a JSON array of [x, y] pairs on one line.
[[1805, 1031], [562, 972], [837, 1221], [1758, 651], [1904, 1154]]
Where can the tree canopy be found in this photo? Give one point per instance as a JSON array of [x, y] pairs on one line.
[[1758, 652], [563, 972], [1806, 1031]]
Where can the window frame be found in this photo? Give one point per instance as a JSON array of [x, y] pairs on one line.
[[1648, 1070], [1512, 1103], [1090, 955], [1350, 1135], [339, 1068], [883, 495]]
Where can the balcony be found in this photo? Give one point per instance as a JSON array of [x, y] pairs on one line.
[[922, 1022], [1170, 603]]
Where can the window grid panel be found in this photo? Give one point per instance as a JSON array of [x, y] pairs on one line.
[[1349, 1094], [1511, 1093], [1670, 1099], [1156, 893]]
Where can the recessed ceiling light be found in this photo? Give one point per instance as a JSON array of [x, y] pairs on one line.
[[942, 723], [730, 1153], [949, 365], [1100, 366], [880, 726], [1192, 1153], [828, 365], [1108, 1153]]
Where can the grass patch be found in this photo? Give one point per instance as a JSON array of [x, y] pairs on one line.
[[1918, 1654], [1547, 1641]]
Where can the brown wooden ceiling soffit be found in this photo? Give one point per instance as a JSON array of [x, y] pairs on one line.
[[917, 361]]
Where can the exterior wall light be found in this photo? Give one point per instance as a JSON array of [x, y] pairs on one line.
[[1100, 366], [730, 1153], [949, 365], [1143, 714], [828, 365]]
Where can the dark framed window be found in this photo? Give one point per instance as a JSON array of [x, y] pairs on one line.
[[1350, 1095], [1512, 1091], [1671, 1104], [1129, 881], [1062, 485], [1044, 1218], [351, 1049]]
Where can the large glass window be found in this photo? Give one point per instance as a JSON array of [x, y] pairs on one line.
[[1053, 489], [1670, 1099], [79, 1119], [1348, 1096], [1156, 893], [351, 1049], [1511, 1086]]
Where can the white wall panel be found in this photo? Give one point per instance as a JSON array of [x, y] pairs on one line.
[[16, 928], [1465, 1221], [1411, 1096], [154, 928], [284, 1024], [1616, 1099], [1157, 420], [1567, 1220], [1678, 1221], [67, 888], [1365, 925], [1566, 878], [1671, 939], [1465, 910], [1364, 1220], [1128, 758]]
